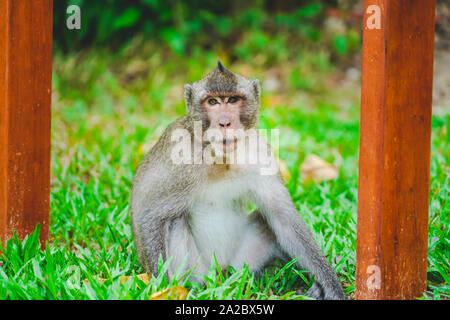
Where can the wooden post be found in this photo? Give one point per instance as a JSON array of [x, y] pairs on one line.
[[394, 168], [25, 97]]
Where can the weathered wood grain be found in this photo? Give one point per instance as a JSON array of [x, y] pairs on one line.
[[25, 98], [394, 165]]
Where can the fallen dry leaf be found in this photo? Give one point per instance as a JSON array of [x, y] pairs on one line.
[[99, 280], [144, 277], [284, 171], [175, 293], [314, 168]]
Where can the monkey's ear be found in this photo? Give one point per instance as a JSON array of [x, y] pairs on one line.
[[188, 92], [256, 87]]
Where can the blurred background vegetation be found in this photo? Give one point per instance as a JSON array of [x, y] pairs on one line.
[[185, 25], [118, 83], [139, 53]]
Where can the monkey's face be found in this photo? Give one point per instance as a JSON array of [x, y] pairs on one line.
[[226, 103], [224, 116]]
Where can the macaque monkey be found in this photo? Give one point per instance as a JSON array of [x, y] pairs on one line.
[[192, 210]]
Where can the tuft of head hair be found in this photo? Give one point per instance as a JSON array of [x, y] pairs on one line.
[[220, 66], [221, 80]]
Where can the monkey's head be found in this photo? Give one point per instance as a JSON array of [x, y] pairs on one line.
[[224, 101]]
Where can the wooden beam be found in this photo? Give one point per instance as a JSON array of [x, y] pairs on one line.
[[25, 98], [394, 165]]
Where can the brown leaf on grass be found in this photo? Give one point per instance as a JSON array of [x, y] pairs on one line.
[[99, 280], [174, 293], [314, 168], [284, 171], [144, 277]]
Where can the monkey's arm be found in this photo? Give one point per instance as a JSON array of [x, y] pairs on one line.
[[161, 195], [150, 230], [153, 206], [294, 238]]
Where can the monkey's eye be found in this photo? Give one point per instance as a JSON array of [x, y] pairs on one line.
[[212, 101], [233, 99]]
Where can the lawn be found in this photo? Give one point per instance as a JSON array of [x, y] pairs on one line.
[[108, 110]]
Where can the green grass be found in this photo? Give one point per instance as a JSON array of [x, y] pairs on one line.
[[109, 109]]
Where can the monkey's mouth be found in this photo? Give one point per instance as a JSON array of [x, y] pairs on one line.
[[229, 141], [227, 144]]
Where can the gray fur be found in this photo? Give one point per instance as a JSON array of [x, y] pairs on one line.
[[164, 195]]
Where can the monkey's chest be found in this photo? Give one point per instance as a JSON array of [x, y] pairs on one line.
[[217, 230], [218, 221]]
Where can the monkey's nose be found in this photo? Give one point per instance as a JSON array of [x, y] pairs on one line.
[[224, 122]]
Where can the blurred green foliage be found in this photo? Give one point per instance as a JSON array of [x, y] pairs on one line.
[[182, 25]]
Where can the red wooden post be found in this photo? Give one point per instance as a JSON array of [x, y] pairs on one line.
[[394, 172], [25, 97]]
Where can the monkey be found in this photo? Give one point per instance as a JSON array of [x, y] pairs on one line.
[[193, 210]]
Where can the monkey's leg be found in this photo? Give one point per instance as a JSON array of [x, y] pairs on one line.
[[258, 246], [294, 237], [182, 248]]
